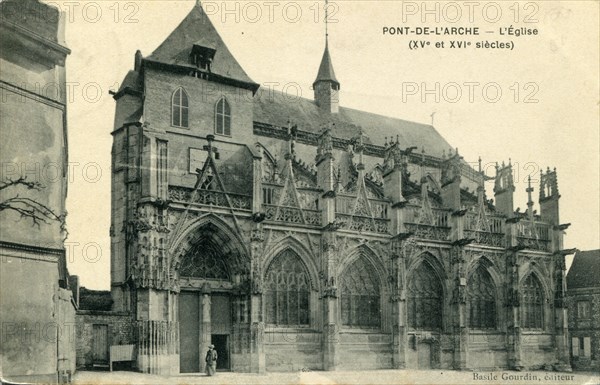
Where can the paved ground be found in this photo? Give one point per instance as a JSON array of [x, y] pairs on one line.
[[383, 377]]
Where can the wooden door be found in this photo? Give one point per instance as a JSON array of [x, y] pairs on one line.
[[189, 333], [100, 344]]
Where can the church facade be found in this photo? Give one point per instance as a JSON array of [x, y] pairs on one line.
[[305, 235]]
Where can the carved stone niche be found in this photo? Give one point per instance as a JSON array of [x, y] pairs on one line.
[[257, 235]]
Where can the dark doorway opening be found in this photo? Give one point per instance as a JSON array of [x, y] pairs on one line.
[[221, 342]]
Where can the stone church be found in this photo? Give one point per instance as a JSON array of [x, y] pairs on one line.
[[305, 235]]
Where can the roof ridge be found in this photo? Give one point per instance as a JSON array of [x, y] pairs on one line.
[[197, 28], [311, 101]]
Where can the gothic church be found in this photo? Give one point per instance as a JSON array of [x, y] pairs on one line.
[[302, 234]]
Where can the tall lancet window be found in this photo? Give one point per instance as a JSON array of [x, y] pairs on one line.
[[180, 108], [223, 118], [532, 304], [482, 302], [424, 299], [360, 300], [287, 291]]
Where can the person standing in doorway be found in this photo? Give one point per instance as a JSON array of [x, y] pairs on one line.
[[211, 361]]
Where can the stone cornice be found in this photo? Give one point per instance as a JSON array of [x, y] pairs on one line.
[[56, 51]]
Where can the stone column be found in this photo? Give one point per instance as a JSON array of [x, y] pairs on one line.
[[513, 297], [459, 308], [398, 298], [331, 326], [459, 317], [257, 325], [205, 331], [560, 310]]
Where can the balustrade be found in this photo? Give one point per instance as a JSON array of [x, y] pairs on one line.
[[345, 206], [533, 235], [490, 233], [210, 198], [414, 215]]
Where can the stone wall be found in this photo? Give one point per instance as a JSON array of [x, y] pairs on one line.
[[37, 323], [487, 351], [121, 331], [203, 97], [291, 350], [360, 351]]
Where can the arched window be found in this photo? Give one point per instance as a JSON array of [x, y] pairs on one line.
[[205, 260], [223, 118], [179, 108], [532, 304], [482, 300], [424, 299], [359, 289], [287, 291]]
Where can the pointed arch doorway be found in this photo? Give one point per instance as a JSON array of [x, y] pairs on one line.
[[212, 273]]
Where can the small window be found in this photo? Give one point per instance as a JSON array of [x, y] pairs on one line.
[[268, 195], [583, 309], [180, 108], [223, 118]]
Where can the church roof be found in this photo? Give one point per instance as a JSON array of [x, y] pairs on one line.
[[585, 270], [132, 81], [197, 29], [326, 72], [275, 108]]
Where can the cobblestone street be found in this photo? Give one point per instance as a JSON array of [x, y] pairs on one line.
[[327, 378]]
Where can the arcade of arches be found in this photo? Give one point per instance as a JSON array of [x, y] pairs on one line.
[[280, 313]]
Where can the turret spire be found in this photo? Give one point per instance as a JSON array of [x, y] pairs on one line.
[[326, 85], [529, 191]]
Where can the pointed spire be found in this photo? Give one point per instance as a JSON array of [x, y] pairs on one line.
[[422, 165], [326, 85], [529, 190], [326, 72]]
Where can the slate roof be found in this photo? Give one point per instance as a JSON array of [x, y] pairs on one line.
[[275, 108], [197, 29], [585, 270], [326, 72], [131, 81]]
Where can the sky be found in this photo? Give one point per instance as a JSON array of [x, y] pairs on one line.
[[536, 104]]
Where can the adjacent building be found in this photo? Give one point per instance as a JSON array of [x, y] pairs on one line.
[[583, 291], [36, 308], [296, 233]]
